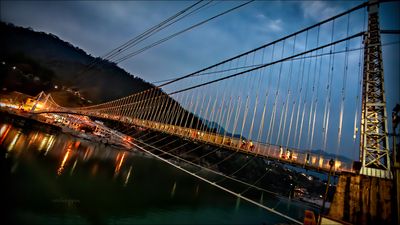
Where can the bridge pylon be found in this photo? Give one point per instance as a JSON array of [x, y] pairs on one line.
[[374, 142]]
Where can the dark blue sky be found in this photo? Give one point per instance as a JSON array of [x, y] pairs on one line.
[[99, 26]]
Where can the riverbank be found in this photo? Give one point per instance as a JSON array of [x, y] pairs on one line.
[[25, 120]]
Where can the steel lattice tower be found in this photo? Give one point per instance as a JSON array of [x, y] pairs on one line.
[[374, 144]]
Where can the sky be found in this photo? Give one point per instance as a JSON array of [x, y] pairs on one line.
[[100, 26]]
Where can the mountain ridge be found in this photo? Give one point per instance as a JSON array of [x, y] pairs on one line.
[[102, 82]]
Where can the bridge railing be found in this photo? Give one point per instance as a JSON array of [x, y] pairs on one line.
[[305, 159]]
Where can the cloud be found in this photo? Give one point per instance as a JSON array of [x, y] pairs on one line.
[[267, 25], [319, 10], [260, 16], [275, 25]]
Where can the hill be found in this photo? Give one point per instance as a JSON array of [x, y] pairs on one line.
[[36, 61], [49, 61]]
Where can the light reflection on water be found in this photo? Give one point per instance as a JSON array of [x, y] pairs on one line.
[[57, 178], [65, 159]]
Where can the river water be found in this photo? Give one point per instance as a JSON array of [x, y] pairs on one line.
[[54, 178]]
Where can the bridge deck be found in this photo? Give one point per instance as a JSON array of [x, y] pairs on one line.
[[300, 158], [294, 157]]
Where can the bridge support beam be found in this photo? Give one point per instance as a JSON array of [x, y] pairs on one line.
[[374, 144], [361, 199]]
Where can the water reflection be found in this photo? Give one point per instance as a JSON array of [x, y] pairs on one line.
[[99, 180], [65, 159], [5, 128], [196, 192], [118, 163], [128, 176], [70, 152], [173, 190], [237, 205], [88, 153], [14, 141], [94, 169], [73, 167]]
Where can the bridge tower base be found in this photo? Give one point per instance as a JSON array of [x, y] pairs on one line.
[[361, 199]]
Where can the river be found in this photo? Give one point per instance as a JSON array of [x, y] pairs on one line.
[[55, 178]]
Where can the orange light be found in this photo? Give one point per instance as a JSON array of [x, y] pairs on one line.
[[77, 144], [119, 163], [337, 164], [4, 131], [14, 141], [65, 159]]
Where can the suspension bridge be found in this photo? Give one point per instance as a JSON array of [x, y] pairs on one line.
[[321, 87]]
